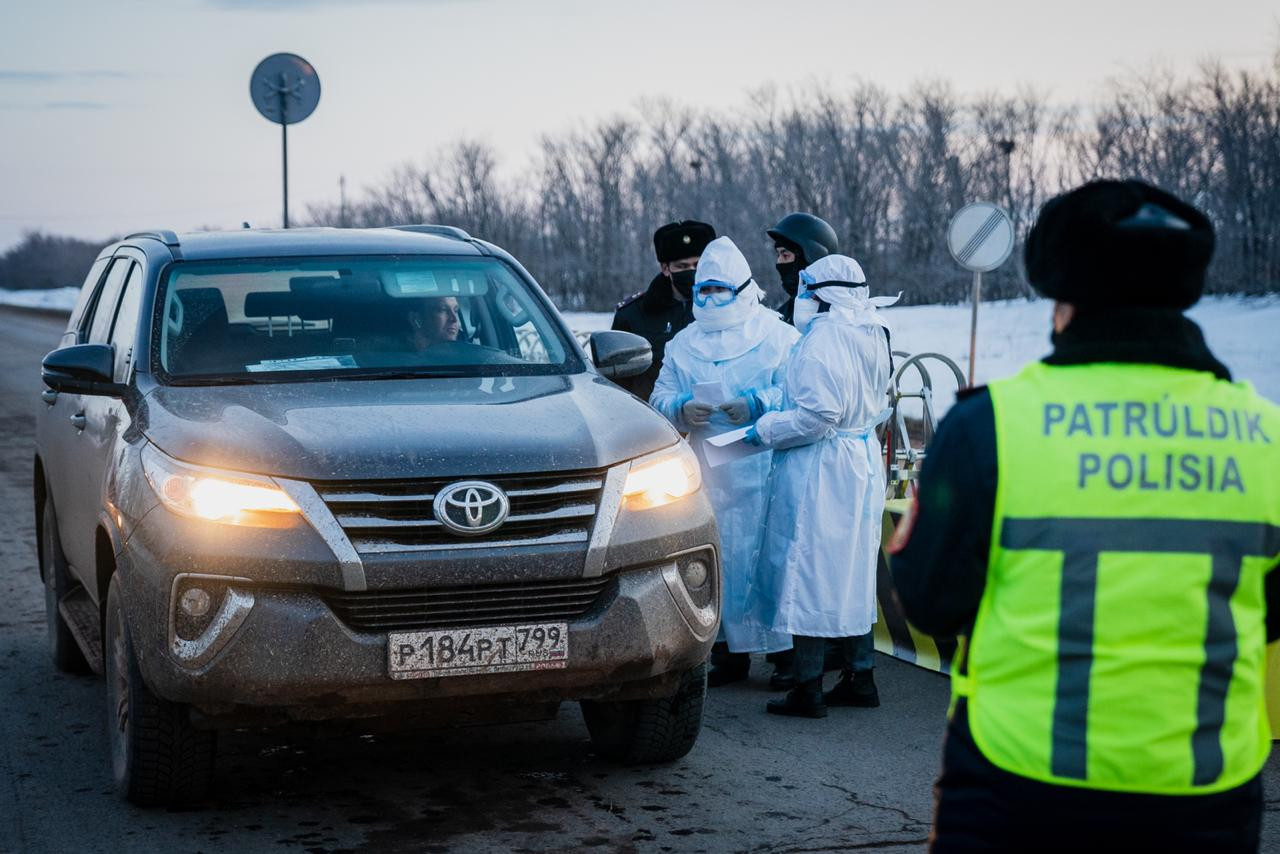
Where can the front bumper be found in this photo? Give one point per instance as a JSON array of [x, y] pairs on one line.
[[285, 651]]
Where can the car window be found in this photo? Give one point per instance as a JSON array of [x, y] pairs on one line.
[[87, 292], [125, 330], [299, 318], [98, 322]]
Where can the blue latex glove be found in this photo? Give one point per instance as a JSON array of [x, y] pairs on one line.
[[752, 437]]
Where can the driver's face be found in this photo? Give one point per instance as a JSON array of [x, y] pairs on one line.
[[440, 319]]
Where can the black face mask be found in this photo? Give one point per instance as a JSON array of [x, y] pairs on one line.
[[682, 281], [790, 275]]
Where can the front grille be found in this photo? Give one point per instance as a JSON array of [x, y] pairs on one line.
[[396, 515], [473, 605]]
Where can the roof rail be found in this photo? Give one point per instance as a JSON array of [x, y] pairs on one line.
[[438, 230], [164, 235]]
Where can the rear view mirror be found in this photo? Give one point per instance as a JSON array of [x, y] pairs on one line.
[[82, 369], [618, 355]]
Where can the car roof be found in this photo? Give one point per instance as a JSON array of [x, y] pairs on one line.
[[266, 243]]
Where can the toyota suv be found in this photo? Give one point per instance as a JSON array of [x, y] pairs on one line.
[[325, 474]]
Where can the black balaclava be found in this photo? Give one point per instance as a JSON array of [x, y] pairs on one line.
[[682, 281], [790, 273]]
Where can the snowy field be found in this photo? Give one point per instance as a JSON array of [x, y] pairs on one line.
[[55, 298], [1243, 332]]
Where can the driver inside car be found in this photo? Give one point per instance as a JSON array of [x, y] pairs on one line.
[[436, 321]]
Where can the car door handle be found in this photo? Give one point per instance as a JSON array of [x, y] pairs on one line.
[[77, 421], [49, 396]]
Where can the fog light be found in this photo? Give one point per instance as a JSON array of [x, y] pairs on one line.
[[195, 602], [695, 573]]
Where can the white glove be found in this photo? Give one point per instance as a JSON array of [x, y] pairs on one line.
[[738, 410], [696, 414]]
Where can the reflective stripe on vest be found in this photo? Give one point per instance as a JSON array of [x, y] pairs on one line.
[[1120, 643]]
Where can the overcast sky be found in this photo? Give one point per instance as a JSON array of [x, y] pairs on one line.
[[135, 113]]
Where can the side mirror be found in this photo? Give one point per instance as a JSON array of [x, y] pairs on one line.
[[82, 369], [618, 355]]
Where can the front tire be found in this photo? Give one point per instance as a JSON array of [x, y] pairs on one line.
[[642, 732], [158, 757], [63, 648]]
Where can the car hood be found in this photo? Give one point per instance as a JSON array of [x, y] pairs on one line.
[[372, 429]]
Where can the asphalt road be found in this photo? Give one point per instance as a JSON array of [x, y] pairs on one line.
[[859, 779]]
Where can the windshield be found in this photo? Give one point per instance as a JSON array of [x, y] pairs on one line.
[[251, 320]]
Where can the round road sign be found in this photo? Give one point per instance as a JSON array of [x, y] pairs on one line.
[[285, 88], [980, 237]]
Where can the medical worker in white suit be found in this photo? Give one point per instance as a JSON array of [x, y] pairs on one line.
[[739, 346], [817, 573]]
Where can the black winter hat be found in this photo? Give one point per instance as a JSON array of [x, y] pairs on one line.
[[1120, 243], [684, 239]]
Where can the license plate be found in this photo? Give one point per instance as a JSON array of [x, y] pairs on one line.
[[492, 649]]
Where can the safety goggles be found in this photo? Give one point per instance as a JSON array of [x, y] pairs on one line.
[[809, 286], [716, 293]]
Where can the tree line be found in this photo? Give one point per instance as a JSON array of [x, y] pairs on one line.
[[887, 171]]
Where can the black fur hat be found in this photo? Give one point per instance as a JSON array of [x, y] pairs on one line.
[[1120, 243], [684, 239]]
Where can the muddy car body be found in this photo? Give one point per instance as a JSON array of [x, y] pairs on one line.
[[265, 494]]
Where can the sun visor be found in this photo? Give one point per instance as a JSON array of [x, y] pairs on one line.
[[435, 282]]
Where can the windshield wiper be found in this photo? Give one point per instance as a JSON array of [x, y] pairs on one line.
[[424, 374]]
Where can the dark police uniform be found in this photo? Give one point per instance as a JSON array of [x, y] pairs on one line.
[[655, 315], [1104, 528]]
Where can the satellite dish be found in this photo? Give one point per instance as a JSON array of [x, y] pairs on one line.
[[285, 88]]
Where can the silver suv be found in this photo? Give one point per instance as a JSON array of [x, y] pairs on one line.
[[317, 474]]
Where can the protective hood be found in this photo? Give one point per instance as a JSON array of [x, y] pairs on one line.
[[728, 331], [853, 305]]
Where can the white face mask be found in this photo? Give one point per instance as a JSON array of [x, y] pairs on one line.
[[803, 313]]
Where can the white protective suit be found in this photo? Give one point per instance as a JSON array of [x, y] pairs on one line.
[[743, 346], [817, 573]]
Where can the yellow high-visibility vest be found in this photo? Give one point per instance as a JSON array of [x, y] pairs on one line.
[[1120, 641]]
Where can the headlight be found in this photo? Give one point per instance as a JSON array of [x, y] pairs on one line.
[[661, 478], [217, 496]]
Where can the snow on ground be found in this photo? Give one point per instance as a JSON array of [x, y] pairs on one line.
[[54, 298], [1244, 332]]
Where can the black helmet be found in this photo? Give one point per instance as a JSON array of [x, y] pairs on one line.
[[812, 236]]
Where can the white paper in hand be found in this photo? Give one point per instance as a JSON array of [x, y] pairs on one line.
[[727, 447], [712, 394]]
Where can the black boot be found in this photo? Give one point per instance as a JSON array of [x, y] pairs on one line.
[[802, 701], [727, 667], [725, 674], [782, 678], [854, 689]]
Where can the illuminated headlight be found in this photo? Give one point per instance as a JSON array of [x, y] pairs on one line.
[[661, 478], [231, 498]]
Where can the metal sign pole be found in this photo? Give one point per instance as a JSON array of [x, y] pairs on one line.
[[285, 89], [980, 238], [284, 148], [973, 323]]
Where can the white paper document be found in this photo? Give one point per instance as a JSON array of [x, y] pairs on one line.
[[712, 394], [727, 447]]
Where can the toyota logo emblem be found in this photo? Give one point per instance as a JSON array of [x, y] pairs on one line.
[[471, 507]]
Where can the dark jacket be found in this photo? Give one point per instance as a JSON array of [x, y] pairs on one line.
[[940, 573], [655, 315], [788, 310]]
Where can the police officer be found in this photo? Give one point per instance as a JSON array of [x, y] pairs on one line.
[[664, 308], [1103, 528], [799, 239]]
